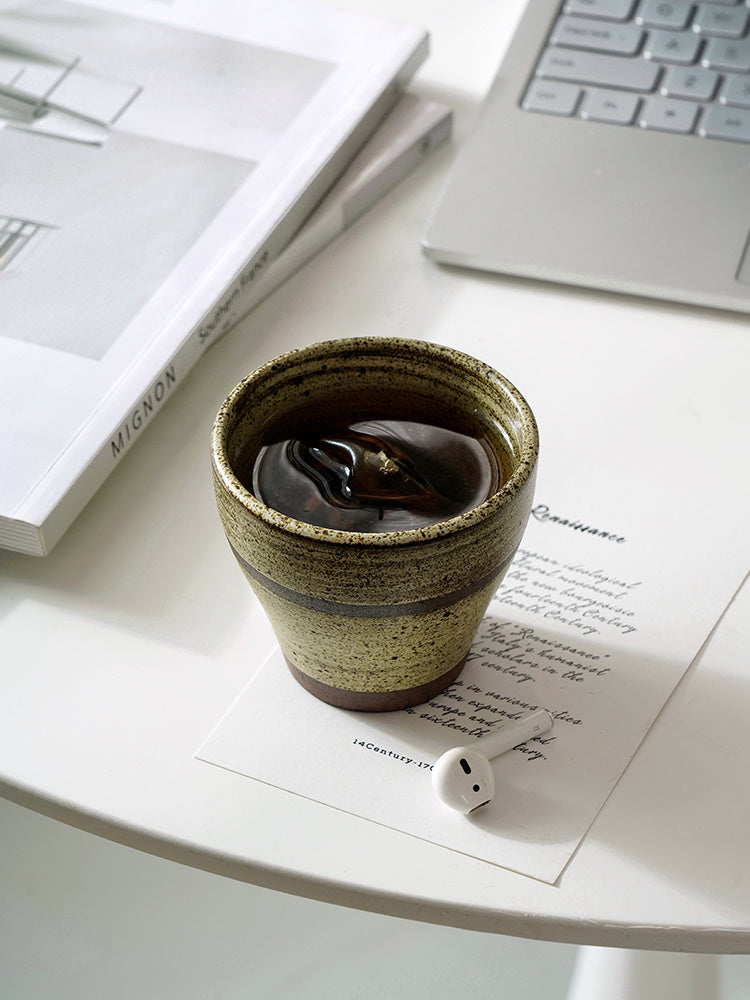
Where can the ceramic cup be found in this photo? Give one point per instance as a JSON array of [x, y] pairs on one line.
[[375, 621]]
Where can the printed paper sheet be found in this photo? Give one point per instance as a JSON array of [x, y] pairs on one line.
[[608, 601]]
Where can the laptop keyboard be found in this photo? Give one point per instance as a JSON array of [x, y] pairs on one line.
[[669, 65]]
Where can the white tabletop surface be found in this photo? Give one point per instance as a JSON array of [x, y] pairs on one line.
[[119, 652]]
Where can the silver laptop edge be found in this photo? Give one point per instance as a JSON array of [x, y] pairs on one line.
[[586, 203]]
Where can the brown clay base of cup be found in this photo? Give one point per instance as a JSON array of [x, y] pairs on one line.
[[376, 701]]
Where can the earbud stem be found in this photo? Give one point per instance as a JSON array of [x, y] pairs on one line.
[[512, 734]]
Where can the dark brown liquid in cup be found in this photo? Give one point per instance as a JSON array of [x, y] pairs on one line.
[[374, 475]]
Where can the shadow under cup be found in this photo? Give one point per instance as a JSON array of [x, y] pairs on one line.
[[375, 621]]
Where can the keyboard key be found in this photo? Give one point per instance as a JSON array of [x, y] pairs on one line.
[[552, 97], [672, 47], [597, 36], [730, 56], [736, 91], [611, 10], [598, 70], [725, 123], [726, 22], [614, 106], [664, 13], [693, 83], [666, 115], [679, 66]]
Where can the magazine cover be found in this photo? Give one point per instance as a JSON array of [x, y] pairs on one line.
[[155, 160]]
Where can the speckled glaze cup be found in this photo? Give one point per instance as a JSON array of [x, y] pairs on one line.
[[375, 621]]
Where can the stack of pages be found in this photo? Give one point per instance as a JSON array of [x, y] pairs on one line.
[[157, 162]]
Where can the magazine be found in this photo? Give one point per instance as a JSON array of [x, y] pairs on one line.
[[410, 132], [156, 159]]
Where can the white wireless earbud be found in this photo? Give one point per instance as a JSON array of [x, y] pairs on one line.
[[463, 777]]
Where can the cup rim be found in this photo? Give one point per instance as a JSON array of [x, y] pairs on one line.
[[390, 346]]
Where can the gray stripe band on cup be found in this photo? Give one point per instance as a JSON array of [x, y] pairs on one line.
[[370, 610]]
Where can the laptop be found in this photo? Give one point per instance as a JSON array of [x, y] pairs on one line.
[[612, 152]]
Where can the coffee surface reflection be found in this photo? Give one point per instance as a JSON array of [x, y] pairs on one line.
[[375, 475]]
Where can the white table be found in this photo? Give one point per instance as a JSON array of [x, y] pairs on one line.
[[121, 650]]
